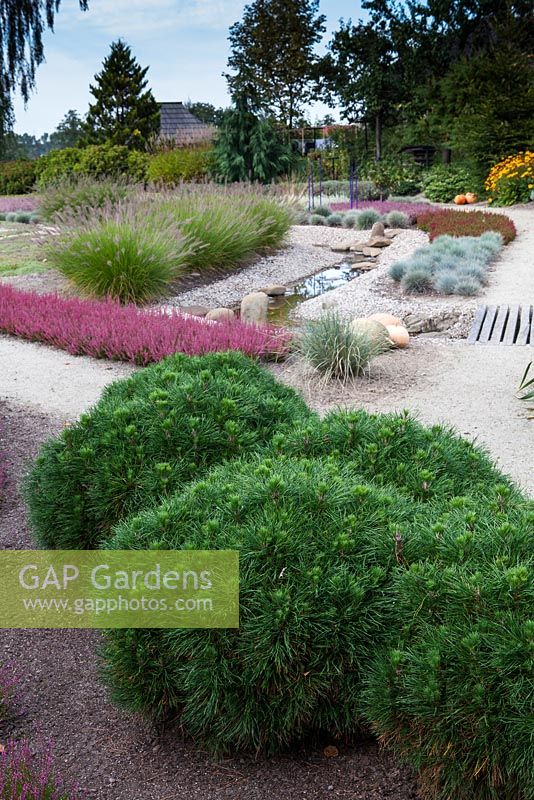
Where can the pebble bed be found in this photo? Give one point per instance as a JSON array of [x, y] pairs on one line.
[[376, 292], [307, 253], [300, 259]]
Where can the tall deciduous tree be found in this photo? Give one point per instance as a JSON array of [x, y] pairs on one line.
[[272, 55], [125, 111], [22, 23]]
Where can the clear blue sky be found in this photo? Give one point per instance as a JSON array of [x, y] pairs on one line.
[[183, 41]]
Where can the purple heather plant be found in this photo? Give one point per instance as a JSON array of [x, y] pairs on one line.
[[25, 775], [107, 329], [18, 203], [412, 210]]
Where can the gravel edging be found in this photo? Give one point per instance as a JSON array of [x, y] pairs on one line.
[[301, 258], [376, 292]]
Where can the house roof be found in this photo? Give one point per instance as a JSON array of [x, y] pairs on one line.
[[177, 122]]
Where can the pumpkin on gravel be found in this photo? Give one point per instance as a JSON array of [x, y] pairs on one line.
[[460, 199]]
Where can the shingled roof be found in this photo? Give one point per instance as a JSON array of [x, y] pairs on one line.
[[177, 123]]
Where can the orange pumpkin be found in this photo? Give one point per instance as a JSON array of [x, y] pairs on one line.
[[386, 319], [460, 199], [398, 335], [470, 197]]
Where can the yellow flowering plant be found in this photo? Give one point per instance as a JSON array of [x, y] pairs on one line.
[[512, 180]]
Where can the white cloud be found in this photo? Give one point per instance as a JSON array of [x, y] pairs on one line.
[[145, 17]]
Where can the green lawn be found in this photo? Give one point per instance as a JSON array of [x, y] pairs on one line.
[[19, 252]]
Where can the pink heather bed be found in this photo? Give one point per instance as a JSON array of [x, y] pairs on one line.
[[105, 329]]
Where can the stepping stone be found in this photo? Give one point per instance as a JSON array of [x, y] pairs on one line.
[[379, 241], [371, 251]]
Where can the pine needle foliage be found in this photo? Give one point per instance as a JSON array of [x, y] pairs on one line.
[[148, 436]]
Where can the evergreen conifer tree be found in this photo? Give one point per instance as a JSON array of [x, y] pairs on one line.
[[124, 111]]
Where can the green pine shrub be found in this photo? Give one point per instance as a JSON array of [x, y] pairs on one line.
[[147, 437], [183, 164], [417, 279], [452, 691], [394, 449], [311, 592], [17, 177], [336, 350], [317, 219]]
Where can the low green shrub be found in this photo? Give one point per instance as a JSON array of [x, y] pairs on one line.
[[184, 164], [97, 161], [443, 182], [427, 463], [17, 177], [113, 252], [81, 194], [336, 350], [317, 219], [56, 165], [452, 690], [311, 592], [147, 437]]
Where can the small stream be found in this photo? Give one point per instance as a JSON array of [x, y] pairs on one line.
[[281, 307]]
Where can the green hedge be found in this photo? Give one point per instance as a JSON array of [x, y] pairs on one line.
[[17, 177], [185, 164]]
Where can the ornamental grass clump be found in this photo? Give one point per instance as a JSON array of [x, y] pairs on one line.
[[336, 350], [147, 437], [367, 218], [121, 251], [81, 193], [397, 219], [26, 775], [450, 265]]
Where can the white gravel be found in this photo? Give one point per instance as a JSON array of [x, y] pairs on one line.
[[376, 292], [296, 261]]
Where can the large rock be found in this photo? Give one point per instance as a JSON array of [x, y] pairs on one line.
[[254, 308], [371, 251], [220, 314], [379, 241], [419, 323], [276, 290], [378, 229], [194, 311]]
